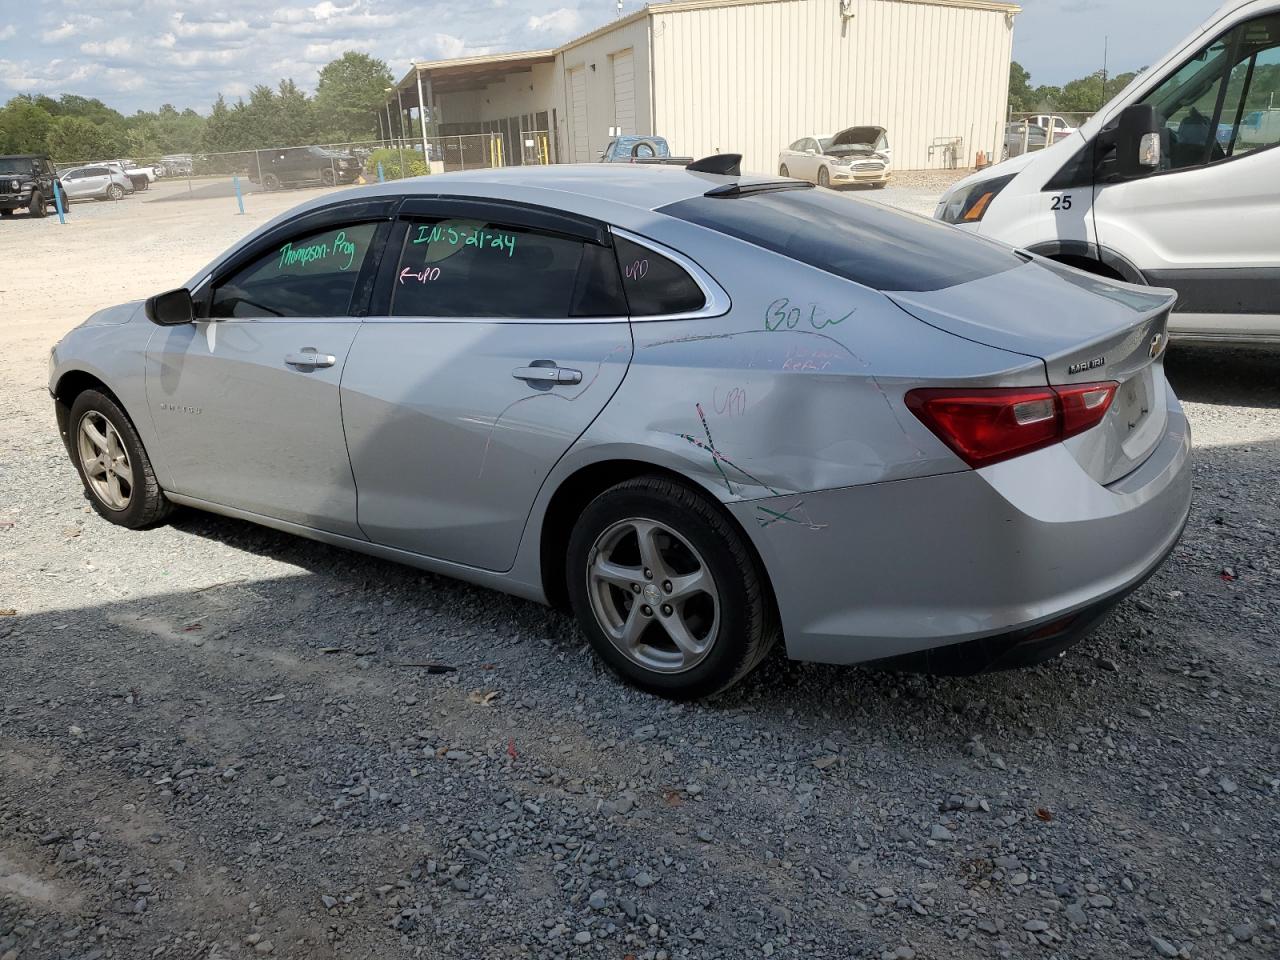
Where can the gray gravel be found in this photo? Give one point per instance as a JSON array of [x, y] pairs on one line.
[[217, 741]]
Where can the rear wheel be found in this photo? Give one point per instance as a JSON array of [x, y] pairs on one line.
[[328, 178], [824, 178], [782, 171], [667, 591], [115, 192], [270, 181], [37, 207], [118, 479]]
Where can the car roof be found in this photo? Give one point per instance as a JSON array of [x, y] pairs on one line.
[[640, 187]]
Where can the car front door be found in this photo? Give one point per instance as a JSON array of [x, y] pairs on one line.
[[497, 334], [245, 400], [1208, 222]]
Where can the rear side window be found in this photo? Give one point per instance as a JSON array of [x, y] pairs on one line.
[[473, 268], [655, 285], [859, 240], [310, 276]]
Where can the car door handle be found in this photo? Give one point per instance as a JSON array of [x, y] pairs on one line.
[[547, 374], [308, 357]]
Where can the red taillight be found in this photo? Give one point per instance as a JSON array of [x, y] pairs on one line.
[[986, 426]]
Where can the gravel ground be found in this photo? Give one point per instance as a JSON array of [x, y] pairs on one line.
[[217, 741]]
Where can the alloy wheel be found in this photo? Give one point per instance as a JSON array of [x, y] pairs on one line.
[[105, 461], [653, 595]]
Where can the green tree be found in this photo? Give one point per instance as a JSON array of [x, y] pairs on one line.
[[24, 126], [1021, 96], [76, 138], [349, 96]]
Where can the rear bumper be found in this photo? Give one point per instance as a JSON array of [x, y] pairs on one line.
[[1028, 550]]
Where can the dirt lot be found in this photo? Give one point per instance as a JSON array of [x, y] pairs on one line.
[[219, 741]]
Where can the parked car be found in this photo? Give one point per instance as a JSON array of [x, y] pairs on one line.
[[641, 150], [26, 182], [141, 179], [1022, 137], [854, 155], [1050, 121], [671, 401], [176, 165], [303, 166], [98, 182], [1145, 191]]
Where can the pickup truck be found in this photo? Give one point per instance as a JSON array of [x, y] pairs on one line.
[[641, 150]]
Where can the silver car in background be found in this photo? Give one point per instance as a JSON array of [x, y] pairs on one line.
[[703, 411], [99, 182]]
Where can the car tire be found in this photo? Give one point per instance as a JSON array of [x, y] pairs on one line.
[[726, 619], [120, 484], [881, 185], [38, 206], [270, 181], [824, 178], [782, 171], [115, 192], [328, 178]]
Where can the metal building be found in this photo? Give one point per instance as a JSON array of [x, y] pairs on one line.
[[742, 76]]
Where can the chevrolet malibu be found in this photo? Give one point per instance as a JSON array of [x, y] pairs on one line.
[[705, 412]]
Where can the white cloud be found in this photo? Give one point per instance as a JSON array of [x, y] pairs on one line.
[[564, 20], [7, 32], [70, 27], [113, 49], [210, 29]]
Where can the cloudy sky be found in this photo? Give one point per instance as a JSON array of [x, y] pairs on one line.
[[140, 53]]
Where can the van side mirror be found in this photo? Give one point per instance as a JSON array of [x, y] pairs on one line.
[[1137, 140], [171, 309]]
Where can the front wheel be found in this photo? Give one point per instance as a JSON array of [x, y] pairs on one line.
[[824, 178], [37, 208], [118, 479], [270, 182], [667, 591]]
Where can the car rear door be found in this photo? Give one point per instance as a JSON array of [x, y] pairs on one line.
[[246, 400], [497, 335]]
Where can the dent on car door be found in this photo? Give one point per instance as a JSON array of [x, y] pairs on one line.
[[495, 340], [245, 401]]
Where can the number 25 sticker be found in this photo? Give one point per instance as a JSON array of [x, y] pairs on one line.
[[1062, 202]]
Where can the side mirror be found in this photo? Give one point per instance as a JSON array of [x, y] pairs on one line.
[[171, 309], [1137, 140]]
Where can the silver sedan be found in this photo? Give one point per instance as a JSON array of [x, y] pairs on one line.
[[705, 412]]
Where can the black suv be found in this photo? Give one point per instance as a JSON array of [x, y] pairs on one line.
[[297, 166], [26, 180]]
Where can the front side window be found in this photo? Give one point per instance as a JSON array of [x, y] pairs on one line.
[[480, 269], [655, 285], [309, 276], [1206, 123]]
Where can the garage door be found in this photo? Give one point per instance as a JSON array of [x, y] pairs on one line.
[[578, 97], [624, 92]]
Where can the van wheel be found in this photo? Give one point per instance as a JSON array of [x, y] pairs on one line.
[[37, 207], [667, 591], [118, 479]]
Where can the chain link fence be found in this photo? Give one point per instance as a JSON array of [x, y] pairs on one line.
[[310, 165]]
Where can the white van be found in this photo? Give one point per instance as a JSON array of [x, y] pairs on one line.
[[1174, 183]]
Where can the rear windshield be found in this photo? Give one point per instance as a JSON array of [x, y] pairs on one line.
[[859, 240]]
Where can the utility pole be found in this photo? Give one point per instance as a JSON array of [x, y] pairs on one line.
[[1105, 41]]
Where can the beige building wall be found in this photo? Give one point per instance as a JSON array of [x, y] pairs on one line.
[[597, 50], [752, 78]]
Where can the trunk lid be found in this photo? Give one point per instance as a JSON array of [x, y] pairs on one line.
[[1085, 329]]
